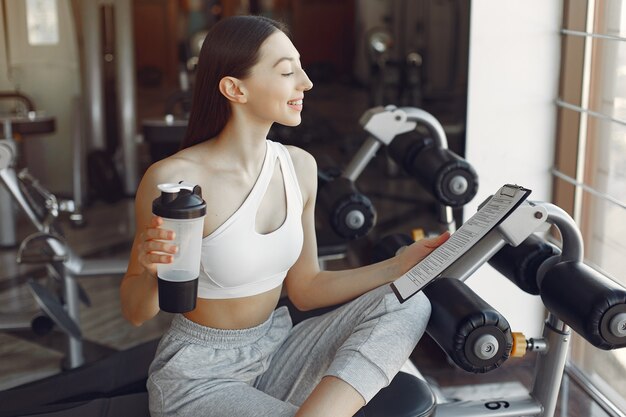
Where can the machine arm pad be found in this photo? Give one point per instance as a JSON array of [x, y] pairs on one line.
[[349, 212], [589, 302], [447, 177], [521, 263], [473, 334]]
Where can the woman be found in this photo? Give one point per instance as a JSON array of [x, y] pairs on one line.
[[236, 354]]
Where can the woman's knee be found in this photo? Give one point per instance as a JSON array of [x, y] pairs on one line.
[[413, 313]]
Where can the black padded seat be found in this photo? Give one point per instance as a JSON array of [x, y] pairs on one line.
[[406, 396], [131, 405], [94, 386]]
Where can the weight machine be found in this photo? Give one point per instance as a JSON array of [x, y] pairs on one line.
[[478, 339], [48, 247], [474, 335], [446, 176]]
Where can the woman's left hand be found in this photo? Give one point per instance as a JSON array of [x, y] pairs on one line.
[[409, 256]]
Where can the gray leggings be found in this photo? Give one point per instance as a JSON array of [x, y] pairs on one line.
[[269, 370]]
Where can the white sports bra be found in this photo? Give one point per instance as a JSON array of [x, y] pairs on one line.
[[237, 261]]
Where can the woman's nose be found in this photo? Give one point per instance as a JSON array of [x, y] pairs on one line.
[[307, 84]]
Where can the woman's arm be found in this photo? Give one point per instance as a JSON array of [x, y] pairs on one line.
[[138, 290], [309, 288]]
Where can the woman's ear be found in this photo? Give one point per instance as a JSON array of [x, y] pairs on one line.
[[232, 89]]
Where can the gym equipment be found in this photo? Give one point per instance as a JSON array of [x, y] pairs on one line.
[[28, 123], [114, 386], [94, 74], [164, 135], [24, 124], [449, 178], [473, 335], [409, 395], [47, 246], [40, 55], [413, 52], [349, 212], [594, 306], [455, 181], [403, 76]]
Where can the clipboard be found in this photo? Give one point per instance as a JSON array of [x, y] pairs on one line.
[[490, 214]]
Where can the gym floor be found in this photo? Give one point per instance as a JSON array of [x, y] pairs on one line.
[[401, 205]]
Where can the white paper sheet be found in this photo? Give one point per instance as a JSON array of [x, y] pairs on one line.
[[500, 205]]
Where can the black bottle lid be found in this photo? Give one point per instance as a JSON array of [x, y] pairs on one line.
[[179, 201]]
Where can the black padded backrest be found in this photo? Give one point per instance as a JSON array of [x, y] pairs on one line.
[[122, 373]]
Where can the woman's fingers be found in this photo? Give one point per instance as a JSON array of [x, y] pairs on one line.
[[158, 233], [156, 246], [156, 258], [436, 241], [417, 251], [159, 246]]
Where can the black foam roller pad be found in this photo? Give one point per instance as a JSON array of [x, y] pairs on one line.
[[459, 317], [520, 263], [585, 300], [338, 200], [437, 169]]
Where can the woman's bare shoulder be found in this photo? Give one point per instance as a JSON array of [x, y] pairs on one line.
[[306, 170], [303, 161], [182, 166], [168, 167]]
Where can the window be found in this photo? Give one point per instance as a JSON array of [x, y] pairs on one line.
[[590, 167]]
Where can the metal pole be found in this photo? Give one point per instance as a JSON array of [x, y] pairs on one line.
[[363, 156], [126, 94], [8, 234], [92, 74], [551, 364], [75, 352], [78, 165], [7, 219]]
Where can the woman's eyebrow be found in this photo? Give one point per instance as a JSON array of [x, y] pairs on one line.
[[286, 58]]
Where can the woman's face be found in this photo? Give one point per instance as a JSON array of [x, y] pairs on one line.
[[276, 84]]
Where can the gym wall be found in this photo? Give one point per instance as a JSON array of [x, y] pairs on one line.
[[511, 122]]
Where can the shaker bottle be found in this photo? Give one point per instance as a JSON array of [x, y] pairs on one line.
[[182, 208]]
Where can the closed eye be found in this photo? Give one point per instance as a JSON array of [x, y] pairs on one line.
[[288, 74]]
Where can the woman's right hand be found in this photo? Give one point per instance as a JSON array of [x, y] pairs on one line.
[[154, 247]]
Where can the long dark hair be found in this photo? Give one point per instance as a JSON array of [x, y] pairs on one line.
[[231, 48]]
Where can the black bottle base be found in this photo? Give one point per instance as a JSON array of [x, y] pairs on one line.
[[178, 296]]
